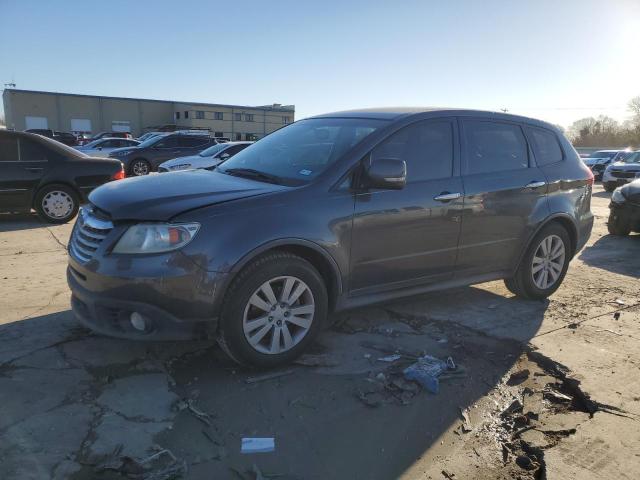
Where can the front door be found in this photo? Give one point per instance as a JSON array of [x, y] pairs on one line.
[[410, 236], [504, 190]]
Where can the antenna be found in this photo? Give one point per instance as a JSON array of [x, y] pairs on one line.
[[505, 110]]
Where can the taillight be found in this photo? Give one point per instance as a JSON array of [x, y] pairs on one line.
[[118, 175], [590, 178]]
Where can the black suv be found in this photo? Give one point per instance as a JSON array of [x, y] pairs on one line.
[[62, 137], [37, 172], [146, 157], [326, 214]]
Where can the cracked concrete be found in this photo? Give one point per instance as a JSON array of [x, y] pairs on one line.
[[69, 398]]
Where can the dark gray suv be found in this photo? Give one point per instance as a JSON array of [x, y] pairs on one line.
[[145, 158], [326, 214]]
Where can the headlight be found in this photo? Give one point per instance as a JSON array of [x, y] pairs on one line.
[[181, 166], [617, 196], [156, 237]]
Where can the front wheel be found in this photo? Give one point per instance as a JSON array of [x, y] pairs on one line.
[[57, 203], [544, 264], [617, 225], [139, 167], [272, 311]]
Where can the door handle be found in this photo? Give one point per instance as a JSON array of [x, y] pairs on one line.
[[447, 197], [535, 184], [33, 169]]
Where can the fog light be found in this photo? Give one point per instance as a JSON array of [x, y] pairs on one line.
[[138, 322]]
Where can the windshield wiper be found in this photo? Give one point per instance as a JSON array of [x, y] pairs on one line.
[[251, 173]]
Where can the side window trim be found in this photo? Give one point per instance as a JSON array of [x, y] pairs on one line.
[[464, 165]]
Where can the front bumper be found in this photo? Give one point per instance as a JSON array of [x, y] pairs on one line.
[[628, 213], [176, 305]]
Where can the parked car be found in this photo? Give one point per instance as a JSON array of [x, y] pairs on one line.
[[146, 157], [207, 159], [621, 172], [148, 135], [62, 137], [48, 176], [624, 209], [599, 160], [100, 135], [330, 213], [103, 146]]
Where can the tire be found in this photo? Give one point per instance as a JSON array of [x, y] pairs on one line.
[[618, 225], [608, 186], [523, 284], [57, 203], [139, 167], [240, 308]]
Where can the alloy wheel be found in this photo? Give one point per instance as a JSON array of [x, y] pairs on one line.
[[140, 168], [57, 204], [548, 262], [278, 315]]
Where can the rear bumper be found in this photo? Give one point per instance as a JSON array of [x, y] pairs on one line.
[[173, 307], [584, 231]]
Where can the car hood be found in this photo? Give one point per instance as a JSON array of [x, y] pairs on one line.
[[633, 167], [631, 191], [161, 197]]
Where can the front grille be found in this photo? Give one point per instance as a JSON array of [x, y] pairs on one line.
[[88, 233], [623, 173]]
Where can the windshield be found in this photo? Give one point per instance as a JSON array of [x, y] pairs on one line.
[[212, 150], [633, 157], [299, 152], [150, 141]]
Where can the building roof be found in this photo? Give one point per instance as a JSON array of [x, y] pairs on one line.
[[274, 107]]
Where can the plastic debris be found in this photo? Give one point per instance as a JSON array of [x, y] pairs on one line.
[[258, 445], [518, 377], [619, 301], [427, 370], [268, 376], [390, 358]]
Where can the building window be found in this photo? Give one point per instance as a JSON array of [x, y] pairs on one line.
[[218, 116], [121, 126], [250, 137], [177, 115], [218, 134], [238, 136], [286, 119], [248, 117], [199, 114], [237, 117], [186, 114]]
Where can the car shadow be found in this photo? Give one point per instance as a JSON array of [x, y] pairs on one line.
[[601, 194], [11, 222], [332, 415], [618, 254]]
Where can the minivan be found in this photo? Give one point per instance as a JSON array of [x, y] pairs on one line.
[[325, 214]]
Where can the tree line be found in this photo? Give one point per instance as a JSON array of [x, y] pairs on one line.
[[604, 131]]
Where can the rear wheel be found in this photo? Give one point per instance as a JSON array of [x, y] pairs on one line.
[[544, 265], [139, 167], [272, 311], [617, 225], [57, 203]]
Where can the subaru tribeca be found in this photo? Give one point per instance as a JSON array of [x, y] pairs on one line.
[[329, 213]]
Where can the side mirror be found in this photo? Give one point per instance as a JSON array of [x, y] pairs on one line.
[[387, 173]]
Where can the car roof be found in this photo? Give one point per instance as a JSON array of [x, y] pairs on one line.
[[396, 113]]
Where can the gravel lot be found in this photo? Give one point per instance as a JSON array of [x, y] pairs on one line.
[[549, 390]]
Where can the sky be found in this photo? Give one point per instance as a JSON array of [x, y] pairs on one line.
[[555, 60]]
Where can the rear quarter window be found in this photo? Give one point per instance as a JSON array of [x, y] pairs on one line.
[[546, 147], [8, 148]]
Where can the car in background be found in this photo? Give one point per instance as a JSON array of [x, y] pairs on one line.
[[326, 214], [145, 158], [623, 171], [103, 146], [48, 176], [100, 135], [149, 135], [207, 159], [598, 161], [62, 137], [624, 209]]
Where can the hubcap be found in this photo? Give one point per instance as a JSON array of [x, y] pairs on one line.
[[278, 315], [140, 168], [57, 204], [548, 262]]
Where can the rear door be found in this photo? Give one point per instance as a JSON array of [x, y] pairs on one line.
[[23, 163], [407, 237], [164, 150], [505, 193]]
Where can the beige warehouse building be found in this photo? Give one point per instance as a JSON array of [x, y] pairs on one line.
[[68, 112]]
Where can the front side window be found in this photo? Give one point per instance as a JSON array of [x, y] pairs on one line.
[[545, 146], [8, 148], [494, 147], [194, 142], [426, 147], [299, 152]]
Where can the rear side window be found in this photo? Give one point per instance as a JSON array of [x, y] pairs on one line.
[[494, 147], [31, 151], [426, 147], [169, 142], [545, 146], [8, 148], [193, 142]]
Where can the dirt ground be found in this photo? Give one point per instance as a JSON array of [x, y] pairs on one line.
[[543, 390]]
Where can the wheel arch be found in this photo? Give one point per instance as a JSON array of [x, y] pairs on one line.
[[562, 219]]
